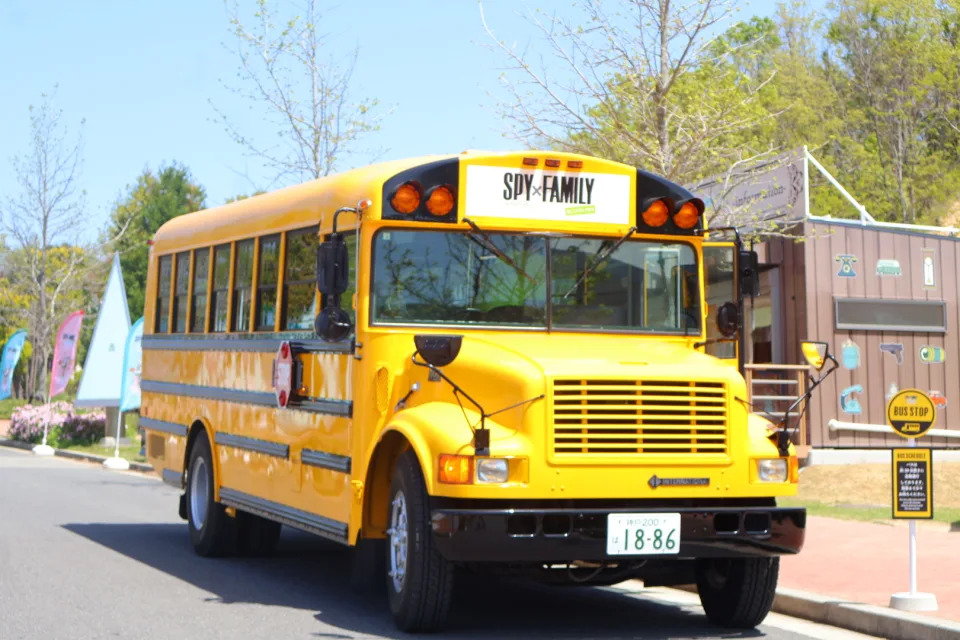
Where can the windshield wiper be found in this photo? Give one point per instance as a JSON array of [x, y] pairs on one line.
[[606, 254], [492, 248]]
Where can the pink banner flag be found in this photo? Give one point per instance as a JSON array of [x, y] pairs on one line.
[[65, 353]]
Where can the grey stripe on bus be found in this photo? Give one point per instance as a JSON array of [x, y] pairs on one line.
[[325, 460], [252, 444], [173, 478], [261, 343], [333, 407], [320, 525], [161, 425]]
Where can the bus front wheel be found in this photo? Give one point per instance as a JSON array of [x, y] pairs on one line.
[[212, 531], [419, 579], [737, 592]]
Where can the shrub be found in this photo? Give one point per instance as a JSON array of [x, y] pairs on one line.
[[64, 427]]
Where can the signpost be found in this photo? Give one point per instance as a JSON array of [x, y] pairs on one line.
[[911, 413]]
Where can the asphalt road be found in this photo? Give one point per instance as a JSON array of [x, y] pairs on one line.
[[90, 553]]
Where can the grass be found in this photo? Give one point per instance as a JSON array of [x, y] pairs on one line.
[[130, 452], [865, 513], [8, 405], [864, 492]]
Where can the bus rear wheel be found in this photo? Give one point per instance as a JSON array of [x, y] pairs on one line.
[[419, 579], [737, 592], [212, 531]]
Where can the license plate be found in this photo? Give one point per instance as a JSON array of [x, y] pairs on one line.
[[632, 534]]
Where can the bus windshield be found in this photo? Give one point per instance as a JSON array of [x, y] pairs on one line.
[[456, 278]]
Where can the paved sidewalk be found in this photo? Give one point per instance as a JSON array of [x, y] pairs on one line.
[[867, 562]]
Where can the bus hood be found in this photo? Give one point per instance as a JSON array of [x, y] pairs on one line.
[[588, 356]]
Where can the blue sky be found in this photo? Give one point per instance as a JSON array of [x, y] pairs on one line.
[[142, 75]]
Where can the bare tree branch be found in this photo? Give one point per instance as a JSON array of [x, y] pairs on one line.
[[304, 94]]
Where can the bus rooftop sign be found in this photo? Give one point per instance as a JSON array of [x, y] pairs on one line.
[[911, 413], [283, 374], [537, 194]]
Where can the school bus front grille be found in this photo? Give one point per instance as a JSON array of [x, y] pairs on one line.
[[627, 418]]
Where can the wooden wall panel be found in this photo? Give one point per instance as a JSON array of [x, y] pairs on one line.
[[877, 370]]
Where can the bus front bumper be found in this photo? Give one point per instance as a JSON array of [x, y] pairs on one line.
[[565, 535]]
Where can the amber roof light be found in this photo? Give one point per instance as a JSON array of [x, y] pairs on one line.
[[406, 199], [688, 216], [656, 214], [440, 201]]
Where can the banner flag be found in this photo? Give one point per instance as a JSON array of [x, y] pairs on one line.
[[8, 361], [103, 369], [65, 353], [132, 362]]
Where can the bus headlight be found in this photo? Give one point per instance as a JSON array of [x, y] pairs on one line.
[[492, 470], [772, 470]]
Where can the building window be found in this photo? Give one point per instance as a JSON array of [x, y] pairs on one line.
[[163, 296], [920, 316], [219, 297], [201, 269], [242, 283], [300, 279], [180, 292], [267, 275]]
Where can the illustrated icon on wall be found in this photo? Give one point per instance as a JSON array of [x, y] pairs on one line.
[[932, 355], [846, 261], [939, 400], [850, 354], [893, 348], [848, 403], [888, 267], [892, 391], [929, 276]]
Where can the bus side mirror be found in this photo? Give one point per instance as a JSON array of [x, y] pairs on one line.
[[728, 319], [749, 274], [332, 324], [333, 266]]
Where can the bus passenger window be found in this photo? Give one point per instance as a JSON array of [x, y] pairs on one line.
[[221, 286], [267, 282], [182, 287], [242, 281], [198, 310], [300, 280], [163, 296]]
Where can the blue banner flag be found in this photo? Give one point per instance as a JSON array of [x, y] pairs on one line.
[[8, 362], [132, 362]]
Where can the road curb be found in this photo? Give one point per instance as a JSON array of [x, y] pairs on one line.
[[865, 618], [74, 455], [857, 616]]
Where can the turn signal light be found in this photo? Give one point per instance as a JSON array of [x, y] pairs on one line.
[[687, 217], [656, 214], [456, 469], [440, 201], [406, 199]]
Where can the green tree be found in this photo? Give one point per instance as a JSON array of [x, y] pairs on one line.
[[644, 82], [894, 64], [39, 219], [150, 202]]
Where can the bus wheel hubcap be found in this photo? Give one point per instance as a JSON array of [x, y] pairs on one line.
[[198, 492], [398, 541]]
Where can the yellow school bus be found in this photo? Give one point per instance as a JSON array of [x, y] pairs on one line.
[[493, 360]]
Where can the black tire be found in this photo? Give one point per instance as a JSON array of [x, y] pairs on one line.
[[420, 596], [212, 531], [737, 592], [256, 536]]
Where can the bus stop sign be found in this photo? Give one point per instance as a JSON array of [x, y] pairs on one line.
[[283, 374], [911, 413]]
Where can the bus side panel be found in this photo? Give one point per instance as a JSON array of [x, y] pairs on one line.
[[259, 448]]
